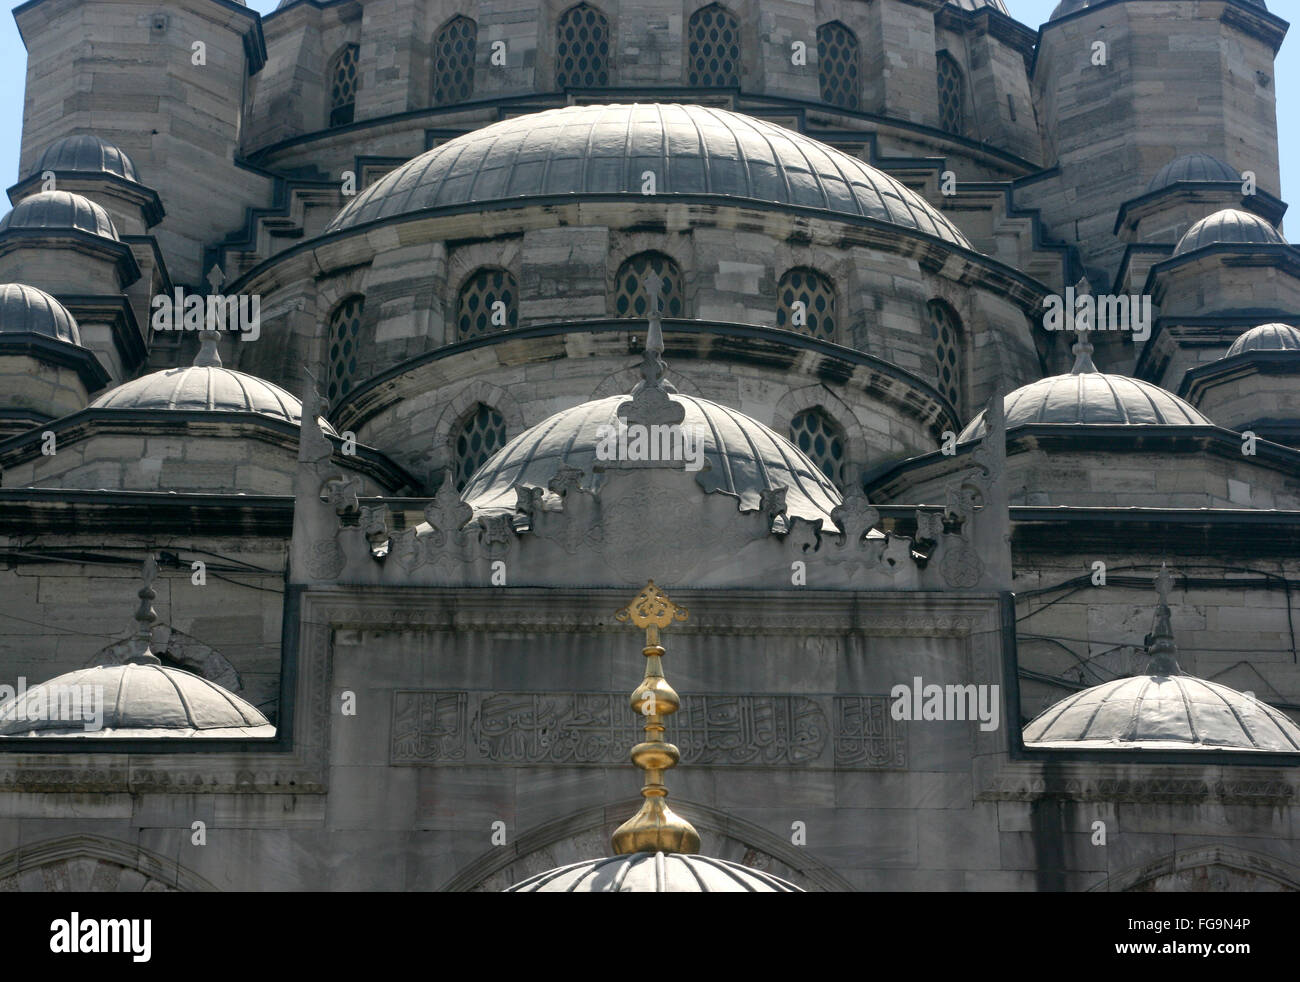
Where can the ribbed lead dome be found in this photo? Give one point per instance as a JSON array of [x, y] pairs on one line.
[[1266, 337], [1091, 397], [60, 211], [205, 388], [1163, 712], [85, 154], [1197, 167], [644, 872], [743, 457], [137, 701], [27, 310], [605, 150], [1230, 226]]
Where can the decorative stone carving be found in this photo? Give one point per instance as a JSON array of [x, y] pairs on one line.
[[449, 727]]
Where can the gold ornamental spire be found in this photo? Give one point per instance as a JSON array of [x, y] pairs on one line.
[[656, 827]]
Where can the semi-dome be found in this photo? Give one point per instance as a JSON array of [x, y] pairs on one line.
[[605, 150], [85, 153], [139, 700], [27, 310], [1266, 337], [742, 458], [59, 211], [1089, 396], [1232, 227], [645, 872], [1163, 712], [1194, 167], [205, 387]]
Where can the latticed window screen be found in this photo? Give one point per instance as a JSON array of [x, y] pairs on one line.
[[837, 65], [630, 297], [477, 310], [481, 435], [714, 38], [821, 438], [582, 48], [453, 61], [952, 117], [818, 297], [345, 326], [343, 85], [945, 332]]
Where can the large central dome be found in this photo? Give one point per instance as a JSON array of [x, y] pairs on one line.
[[607, 150]]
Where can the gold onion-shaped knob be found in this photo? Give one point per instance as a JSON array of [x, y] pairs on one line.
[[656, 828]]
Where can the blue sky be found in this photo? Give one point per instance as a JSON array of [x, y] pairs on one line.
[[13, 66]]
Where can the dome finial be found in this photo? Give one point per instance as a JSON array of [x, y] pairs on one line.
[[656, 827], [1160, 645], [1082, 354], [208, 356], [145, 617]]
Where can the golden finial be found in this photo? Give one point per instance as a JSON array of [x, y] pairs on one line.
[[656, 827]]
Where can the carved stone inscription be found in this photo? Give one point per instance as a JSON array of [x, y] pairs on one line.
[[459, 727]]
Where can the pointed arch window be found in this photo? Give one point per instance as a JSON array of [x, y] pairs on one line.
[[714, 48], [482, 433], [838, 65], [822, 441], [453, 61], [582, 48], [344, 80], [630, 297], [952, 94], [946, 336], [488, 302], [345, 329], [806, 304]]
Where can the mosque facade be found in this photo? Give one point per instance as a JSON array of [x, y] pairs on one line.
[[946, 369]]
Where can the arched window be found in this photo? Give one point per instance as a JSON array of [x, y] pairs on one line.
[[822, 440], [343, 82], [805, 302], [945, 334], [952, 96], [630, 297], [714, 40], [482, 433], [345, 326], [488, 302], [453, 61], [837, 65], [582, 48]]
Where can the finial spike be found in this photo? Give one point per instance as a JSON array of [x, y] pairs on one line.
[[1083, 364], [145, 617], [1161, 647], [655, 827], [208, 356]]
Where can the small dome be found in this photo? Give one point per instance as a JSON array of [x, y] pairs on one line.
[[138, 701], [1266, 337], [85, 154], [59, 211], [1070, 6], [643, 872], [204, 387], [1091, 397], [744, 458], [1163, 712], [604, 150], [1229, 226], [27, 310], [1196, 167]]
